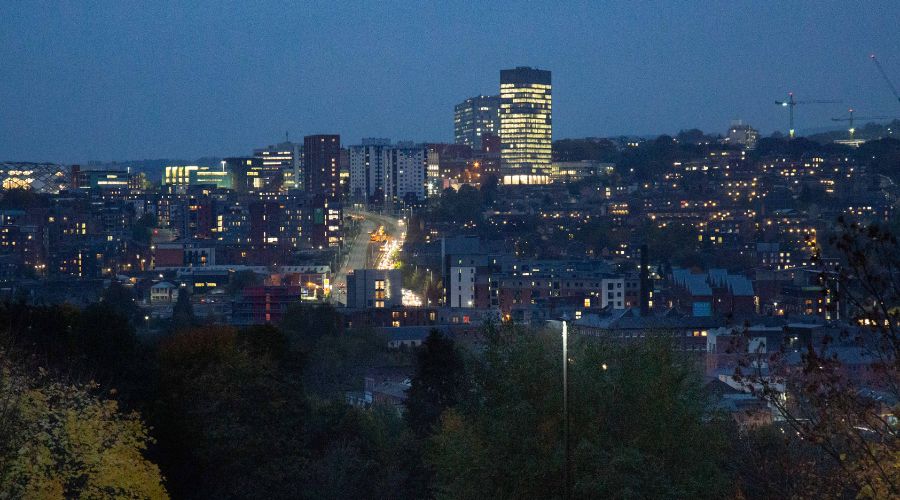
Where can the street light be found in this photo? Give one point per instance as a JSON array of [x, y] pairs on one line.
[[565, 374]]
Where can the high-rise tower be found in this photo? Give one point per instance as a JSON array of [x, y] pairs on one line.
[[321, 165], [525, 125], [475, 117]]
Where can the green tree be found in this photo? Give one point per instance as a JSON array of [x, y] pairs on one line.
[[362, 454], [438, 384], [183, 311], [230, 416], [338, 363], [105, 340], [305, 324], [635, 412], [121, 300], [142, 229], [241, 280]]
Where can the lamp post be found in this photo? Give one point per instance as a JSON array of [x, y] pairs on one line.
[[565, 375]]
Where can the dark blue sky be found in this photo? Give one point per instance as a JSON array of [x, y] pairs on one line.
[[123, 80]]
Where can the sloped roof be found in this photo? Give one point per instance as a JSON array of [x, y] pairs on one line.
[[718, 277], [695, 284], [740, 286]]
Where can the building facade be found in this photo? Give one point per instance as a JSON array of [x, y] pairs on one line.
[[374, 288], [406, 167], [367, 170], [382, 173], [741, 134], [194, 175], [321, 165], [277, 167], [474, 117], [47, 178], [525, 125]]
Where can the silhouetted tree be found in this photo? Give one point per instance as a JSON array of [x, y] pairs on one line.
[[183, 310], [121, 300], [817, 395], [304, 324], [438, 383]]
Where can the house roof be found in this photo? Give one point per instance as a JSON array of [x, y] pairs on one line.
[[740, 286], [718, 277], [628, 320], [695, 284]]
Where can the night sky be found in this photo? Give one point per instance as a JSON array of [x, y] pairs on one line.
[[122, 80]]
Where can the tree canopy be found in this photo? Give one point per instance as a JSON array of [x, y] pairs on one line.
[[634, 414]]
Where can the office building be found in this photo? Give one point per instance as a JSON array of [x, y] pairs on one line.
[[103, 182], [250, 176], [525, 125], [47, 178], [374, 288], [741, 134], [195, 175], [474, 117], [574, 171], [405, 172], [277, 168], [433, 182], [321, 165], [344, 173], [381, 173], [367, 170]]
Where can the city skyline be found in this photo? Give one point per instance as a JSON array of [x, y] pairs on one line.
[[438, 250], [619, 69]]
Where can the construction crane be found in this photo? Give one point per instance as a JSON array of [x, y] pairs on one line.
[[851, 118], [790, 103], [884, 75]]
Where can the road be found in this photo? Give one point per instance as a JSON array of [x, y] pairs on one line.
[[358, 256]]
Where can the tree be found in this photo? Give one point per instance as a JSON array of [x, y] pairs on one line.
[[93, 344], [460, 207], [142, 229], [230, 417], [362, 454], [241, 280], [183, 310], [489, 188], [849, 418], [635, 412], [438, 384], [693, 136], [105, 340], [305, 324], [60, 441], [773, 462], [121, 300], [338, 363]]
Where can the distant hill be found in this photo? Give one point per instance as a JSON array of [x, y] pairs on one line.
[[868, 132]]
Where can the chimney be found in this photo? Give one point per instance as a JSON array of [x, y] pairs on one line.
[[645, 282]]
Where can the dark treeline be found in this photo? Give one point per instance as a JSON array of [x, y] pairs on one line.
[[260, 412]]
